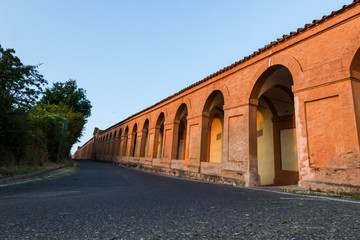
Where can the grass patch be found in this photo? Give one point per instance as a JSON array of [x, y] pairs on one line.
[[11, 171], [352, 196], [318, 192]]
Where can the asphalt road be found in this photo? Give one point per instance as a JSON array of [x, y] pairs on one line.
[[105, 201]]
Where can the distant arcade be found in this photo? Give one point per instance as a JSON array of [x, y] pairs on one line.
[[287, 114]]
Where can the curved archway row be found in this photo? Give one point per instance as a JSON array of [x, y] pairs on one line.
[[165, 140], [208, 138], [288, 114]]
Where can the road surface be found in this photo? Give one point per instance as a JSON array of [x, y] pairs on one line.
[[105, 201]]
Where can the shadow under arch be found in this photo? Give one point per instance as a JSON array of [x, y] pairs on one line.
[[355, 65], [179, 133], [144, 139], [271, 64], [276, 145], [125, 141], [118, 142], [133, 141], [212, 128], [159, 136]]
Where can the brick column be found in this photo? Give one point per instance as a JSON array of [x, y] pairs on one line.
[[193, 144], [175, 136], [252, 177]]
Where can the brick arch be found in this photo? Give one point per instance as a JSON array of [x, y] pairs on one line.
[[210, 97], [126, 129], [119, 133], [178, 110], [207, 131], [355, 65], [260, 80], [153, 118], [158, 137], [143, 120], [164, 110], [210, 93], [179, 132], [350, 56], [274, 63], [186, 101], [222, 87], [158, 118], [115, 133], [133, 123], [133, 139], [144, 138], [125, 140], [156, 115], [143, 124]]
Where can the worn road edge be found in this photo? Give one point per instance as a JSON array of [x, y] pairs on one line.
[[35, 174]]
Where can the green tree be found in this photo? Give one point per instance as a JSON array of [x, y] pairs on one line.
[[20, 87], [55, 123], [65, 100], [69, 94]]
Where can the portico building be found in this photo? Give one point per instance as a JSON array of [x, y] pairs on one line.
[[287, 114]]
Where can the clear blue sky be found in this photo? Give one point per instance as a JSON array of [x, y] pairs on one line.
[[130, 54]]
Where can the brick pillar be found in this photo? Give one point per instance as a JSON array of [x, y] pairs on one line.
[[132, 142], [154, 140], [95, 149], [138, 144], [205, 118], [142, 135], [167, 142], [174, 144], [193, 143], [117, 148], [328, 136], [123, 147], [111, 149], [252, 177]]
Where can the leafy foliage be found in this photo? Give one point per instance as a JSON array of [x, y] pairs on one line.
[[20, 86], [31, 132], [64, 100], [69, 94], [50, 122]]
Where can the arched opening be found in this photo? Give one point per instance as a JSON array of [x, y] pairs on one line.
[[110, 145], [144, 139], [276, 131], [113, 145], [159, 136], [117, 149], [100, 146], [355, 65], [133, 141], [106, 147], [355, 74], [212, 128], [180, 128], [125, 140]]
